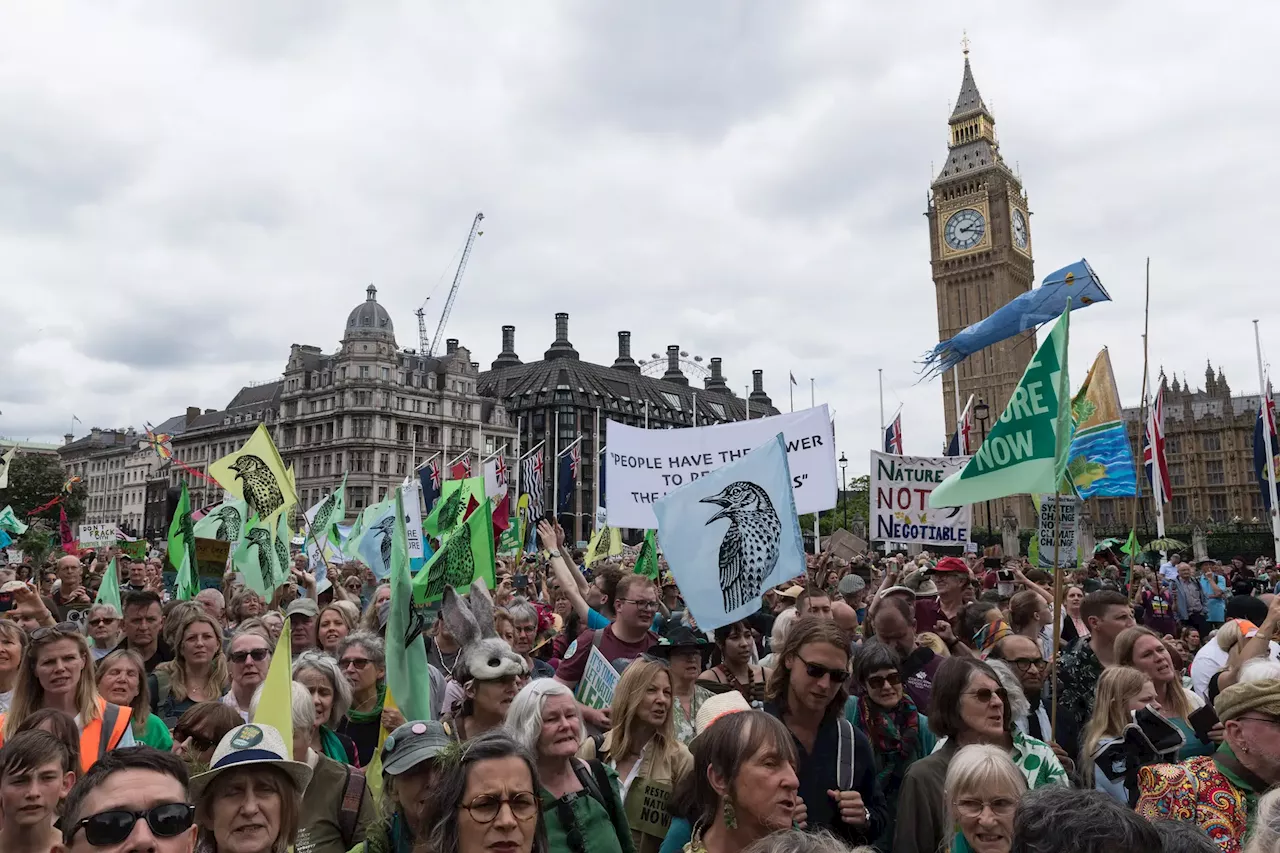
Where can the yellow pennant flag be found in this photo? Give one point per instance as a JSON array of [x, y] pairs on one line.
[[275, 705], [256, 474]]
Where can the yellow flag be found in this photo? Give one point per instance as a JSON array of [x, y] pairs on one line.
[[256, 474], [275, 705]]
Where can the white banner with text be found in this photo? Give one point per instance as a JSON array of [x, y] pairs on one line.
[[900, 511]]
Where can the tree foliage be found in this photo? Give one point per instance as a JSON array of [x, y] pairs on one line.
[[34, 480]]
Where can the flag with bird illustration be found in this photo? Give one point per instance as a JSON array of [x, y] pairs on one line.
[[647, 559], [531, 480], [605, 542], [10, 523], [281, 543], [449, 511], [322, 540], [5, 461], [1026, 450], [406, 622], [182, 547], [225, 520], [256, 474], [373, 546], [255, 557], [742, 519], [464, 555]]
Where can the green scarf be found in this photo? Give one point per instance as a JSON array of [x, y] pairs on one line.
[[332, 746], [369, 716]]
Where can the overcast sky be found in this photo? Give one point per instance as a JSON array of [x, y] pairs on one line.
[[187, 189]]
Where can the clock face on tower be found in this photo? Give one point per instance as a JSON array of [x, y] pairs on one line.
[[964, 229], [1019, 220]]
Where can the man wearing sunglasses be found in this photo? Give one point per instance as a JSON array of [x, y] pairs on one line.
[[133, 799], [35, 775]]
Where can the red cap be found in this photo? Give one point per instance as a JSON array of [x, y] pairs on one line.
[[951, 564]]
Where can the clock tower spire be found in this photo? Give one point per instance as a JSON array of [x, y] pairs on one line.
[[980, 254]]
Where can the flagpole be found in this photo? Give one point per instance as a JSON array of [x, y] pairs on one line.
[[519, 430], [1265, 413], [1057, 611], [880, 371], [813, 393], [955, 387], [555, 500], [1142, 423], [695, 411], [646, 414], [595, 468], [746, 395]]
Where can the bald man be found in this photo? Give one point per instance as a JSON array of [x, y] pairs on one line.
[[70, 602], [846, 617]]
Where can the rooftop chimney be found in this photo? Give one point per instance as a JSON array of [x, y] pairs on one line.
[[96, 434], [68, 438], [674, 374], [715, 382], [758, 397], [508, 357], [450, 346], [560, 347], [193, 412], [624, 361]]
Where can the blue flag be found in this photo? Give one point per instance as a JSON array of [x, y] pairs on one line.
[[568, 477], [1076, 282], [741, 519], [1260, 449], [429, 476], [373, 546]]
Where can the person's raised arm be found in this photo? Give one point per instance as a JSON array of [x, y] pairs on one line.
[[565, 575], [565, 553], [1257, 646]]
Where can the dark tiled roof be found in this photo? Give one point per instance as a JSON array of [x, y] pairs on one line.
[[250, 400], [106, 438], [969, 101]]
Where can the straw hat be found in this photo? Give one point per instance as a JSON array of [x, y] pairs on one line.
[[248, 745], [717, 706]]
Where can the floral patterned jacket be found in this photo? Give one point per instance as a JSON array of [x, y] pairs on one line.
[[1212, 791]]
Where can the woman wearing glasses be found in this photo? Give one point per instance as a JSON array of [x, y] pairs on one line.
[[898, 732], [249, 799], [57, 673], [122, 680], [968, 706], [582, 810], [197, 673], [331, 695], [982, 791], [488, 800], [362, 659]]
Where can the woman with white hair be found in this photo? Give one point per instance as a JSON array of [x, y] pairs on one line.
[[580, 800], [982, 791], [105, 629], [778, 636], [331, 695]]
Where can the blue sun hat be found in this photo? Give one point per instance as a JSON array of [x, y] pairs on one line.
[[247, 746]]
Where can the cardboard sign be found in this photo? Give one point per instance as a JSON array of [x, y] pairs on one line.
[[648, 807], [1049, 530], [900, 510], [97, 535], [845, 545], [211, 557], [137, 549], [599, 680]]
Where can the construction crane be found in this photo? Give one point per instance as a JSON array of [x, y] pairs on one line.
[[429, 347]]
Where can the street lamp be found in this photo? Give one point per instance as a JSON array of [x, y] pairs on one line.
[[980, 413], [844, 490]]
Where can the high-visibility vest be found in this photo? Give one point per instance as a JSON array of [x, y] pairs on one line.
[[113, 718]]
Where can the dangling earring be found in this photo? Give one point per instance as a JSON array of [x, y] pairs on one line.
[[730, 816]]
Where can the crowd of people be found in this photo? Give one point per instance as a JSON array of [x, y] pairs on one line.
[[888, 703]]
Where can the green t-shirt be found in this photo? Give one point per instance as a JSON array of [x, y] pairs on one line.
[[154, 734]]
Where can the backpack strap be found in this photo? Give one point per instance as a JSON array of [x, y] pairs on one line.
[[109, 716], [596, 783], [349, 808], [844, 755], [597, 637]]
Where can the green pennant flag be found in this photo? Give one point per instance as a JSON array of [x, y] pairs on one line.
[[465, 554], [1134, 550], [10, 523], [1033, 550], [226, 521], [109, 589], [451, 508], [406, 648], [1026, 450], [647, 559], [182, 548], [255, 558]]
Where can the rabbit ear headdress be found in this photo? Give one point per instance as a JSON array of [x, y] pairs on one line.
[[484, 654]]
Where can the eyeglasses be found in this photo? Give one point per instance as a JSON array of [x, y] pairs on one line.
[[986, 694], [486, 807], [113, 827], [645, 604], [258, 655], [817, 670], [1000, 807], [877, 682], [358, 663], [1270, 721], [59, 629], [198, 741], [1024, 664], [101, 620]]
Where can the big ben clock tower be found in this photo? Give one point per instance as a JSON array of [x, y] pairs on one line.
[[980, 249]]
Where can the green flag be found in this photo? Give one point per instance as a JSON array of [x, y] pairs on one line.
[[647, 559], [509, 541], [1026, 450], [1033, 550], [455, 497], [225, 521], [1134, 550], [109, 590], [182, 547], [255, 558], [464, 555], [10, 523], [406, 648]]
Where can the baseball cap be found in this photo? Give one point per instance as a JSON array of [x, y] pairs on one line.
[[851, 584], [949, 564], [411, 744], [302, 607]]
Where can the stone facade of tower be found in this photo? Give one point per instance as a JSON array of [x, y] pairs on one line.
[[980, 251]]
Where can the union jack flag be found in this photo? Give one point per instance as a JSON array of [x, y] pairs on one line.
[[461, 468], [501, 470], [1153, 456], [893, 435], [533, 483], [959, 444]]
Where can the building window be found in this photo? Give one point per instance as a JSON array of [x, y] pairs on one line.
[[363, 427], [417, 434], [1177, 474], [306, 466], [1173, 444], [384, 463], [386, 428], [1213, 473], [364, 371], [1218, 507], [328, 463], [1107, 512], [402, 464], [402, 432], [1211, 441], [488, 444], [386, 373], [433, 435]]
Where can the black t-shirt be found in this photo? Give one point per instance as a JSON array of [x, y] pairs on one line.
[[163, 654]]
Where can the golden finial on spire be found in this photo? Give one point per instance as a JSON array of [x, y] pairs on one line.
[[964, 42]]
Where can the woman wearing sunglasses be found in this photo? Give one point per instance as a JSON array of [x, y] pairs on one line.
[[968, 706], [898, 732], [362, 660], [488, 800], [57, 673], [982, 791], [331, 695], [200, 730], [198, 671], [249, 799], [122, 679]]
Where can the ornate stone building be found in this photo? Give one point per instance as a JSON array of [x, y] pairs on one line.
[[1209, 449], [980, 250]]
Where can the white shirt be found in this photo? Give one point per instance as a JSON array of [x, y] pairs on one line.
[[1168, 571]]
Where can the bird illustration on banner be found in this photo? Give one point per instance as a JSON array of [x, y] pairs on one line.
[[749, 549]]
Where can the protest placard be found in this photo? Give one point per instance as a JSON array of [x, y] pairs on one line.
[[844, 545], [598, 681], [900, 511], [643, 465], [97, 535], [647, 807], [1063, 531], [135, 549], [211, 557]]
